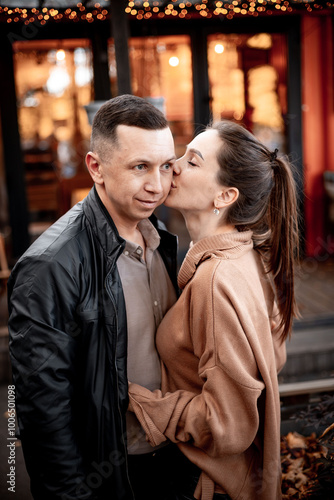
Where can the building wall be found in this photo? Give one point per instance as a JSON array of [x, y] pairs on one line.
[[3, 192], [318, 127], [317, 61]]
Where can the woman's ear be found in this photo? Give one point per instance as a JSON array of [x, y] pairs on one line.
[[227, 197], [94, 167]]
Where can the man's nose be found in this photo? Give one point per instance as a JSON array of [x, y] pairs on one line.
[[154, 182]]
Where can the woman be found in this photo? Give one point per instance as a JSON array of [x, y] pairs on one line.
[[222, 343]]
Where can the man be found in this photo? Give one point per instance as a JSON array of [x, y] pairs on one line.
[[94, 286]]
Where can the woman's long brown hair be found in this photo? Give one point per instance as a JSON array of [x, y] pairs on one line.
[[267, 205]]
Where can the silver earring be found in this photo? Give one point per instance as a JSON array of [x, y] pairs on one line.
[[216, 211]]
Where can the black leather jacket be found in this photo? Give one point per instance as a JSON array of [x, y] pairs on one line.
[[68, 347]]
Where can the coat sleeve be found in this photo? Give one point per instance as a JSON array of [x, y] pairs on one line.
[[42, 299], [223, 418], [279, 345]]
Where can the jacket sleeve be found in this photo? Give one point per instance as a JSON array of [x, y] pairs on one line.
[[42, 301], [223, 418]]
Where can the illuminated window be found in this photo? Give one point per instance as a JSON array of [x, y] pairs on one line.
[[248, 83], [161, 71]]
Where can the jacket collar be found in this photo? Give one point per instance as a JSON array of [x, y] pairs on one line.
[[223, 246], [106, 231], [102, 225]]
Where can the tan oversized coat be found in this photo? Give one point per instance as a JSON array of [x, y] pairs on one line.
[[219, 398]]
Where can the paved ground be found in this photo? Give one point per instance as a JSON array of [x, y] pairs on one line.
[[315, 289]]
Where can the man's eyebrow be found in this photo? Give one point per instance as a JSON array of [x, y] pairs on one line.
[[142, 160], [198, 153], [172, 158]]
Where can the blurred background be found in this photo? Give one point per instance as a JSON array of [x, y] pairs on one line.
[[266, 64]]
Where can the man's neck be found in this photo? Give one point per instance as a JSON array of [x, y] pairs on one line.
[[131, 234]]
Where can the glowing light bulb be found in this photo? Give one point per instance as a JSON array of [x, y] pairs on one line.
[[219, 48], [174, 61], [60, 55]]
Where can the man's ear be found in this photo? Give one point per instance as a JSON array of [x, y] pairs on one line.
[[227, 197], [94, 167]]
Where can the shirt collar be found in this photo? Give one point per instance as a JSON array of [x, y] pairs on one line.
[[150, 235]]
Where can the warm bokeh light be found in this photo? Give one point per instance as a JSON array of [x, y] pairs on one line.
[[262, 84], [169, 88], [226, 78], [58, 81], [260, 41], [47, 87], [174, 61], [60, 55], [219, 48], [182, 10]]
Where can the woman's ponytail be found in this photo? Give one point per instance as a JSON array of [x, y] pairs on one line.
[[284, 239], [267, 205]]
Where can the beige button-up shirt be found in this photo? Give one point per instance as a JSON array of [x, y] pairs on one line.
[[148, 293]]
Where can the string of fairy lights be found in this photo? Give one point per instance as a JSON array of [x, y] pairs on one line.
[[161, 9]]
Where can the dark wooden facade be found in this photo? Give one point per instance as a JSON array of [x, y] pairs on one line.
[[293, 26]]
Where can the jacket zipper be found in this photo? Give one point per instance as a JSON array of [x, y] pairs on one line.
[[118, 407]]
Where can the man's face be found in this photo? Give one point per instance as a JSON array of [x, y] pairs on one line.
[[136, 176]]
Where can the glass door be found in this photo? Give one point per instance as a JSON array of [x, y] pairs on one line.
[[161, 72], [248, 83]]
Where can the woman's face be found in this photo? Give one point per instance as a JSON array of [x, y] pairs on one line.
[[195, 184]]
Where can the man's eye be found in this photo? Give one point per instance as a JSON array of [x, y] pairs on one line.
[[140, 167], [167, 167]]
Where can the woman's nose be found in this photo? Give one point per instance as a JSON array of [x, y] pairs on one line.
[[177, 167]]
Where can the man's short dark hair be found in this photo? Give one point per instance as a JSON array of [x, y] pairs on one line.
[[127, 110]]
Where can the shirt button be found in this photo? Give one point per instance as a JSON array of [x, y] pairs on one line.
[[126, 252], [138, 251], [155, 303]]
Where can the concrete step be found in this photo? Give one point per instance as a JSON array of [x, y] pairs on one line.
[[306, 387], [310, 354]]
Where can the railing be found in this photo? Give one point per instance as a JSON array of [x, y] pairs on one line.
[[306, 387]]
